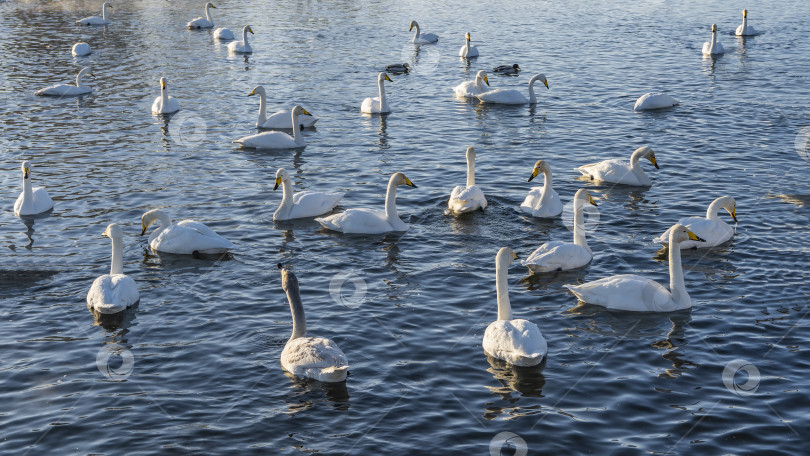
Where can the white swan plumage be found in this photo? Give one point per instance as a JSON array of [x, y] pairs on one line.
[[654, 100], [744, 29], [512, 96], [636, 293], [467, 198], [469, 89], [68, 90], [422, 38], [711, 229], [95, 20], [242, 47], [302, 204], [278, 139], [31, 201], [183, 238], [203, 22], [542, 201], [223, 34], [114, 292], [279, 119], [516, 341], [370, 221], [165, 103], [713, 47], [379, 104], [622, 172], [80, 49], [468, 51]]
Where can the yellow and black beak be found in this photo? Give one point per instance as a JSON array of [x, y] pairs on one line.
[[590, 199], [251, 31], [653, 161], [162, 84], [468, 36], [545, 83], [409, 183], [26, 172], [385, 76], [535, 172], [733, 213], [106, 232], [212, 6], [411, 27], [694, 236], [486, 80], [745, 13], [514, 255], [143, 231], [305, 112], [252, 92], [278, 182]]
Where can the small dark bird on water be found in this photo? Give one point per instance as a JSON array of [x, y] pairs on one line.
[[506, 69]]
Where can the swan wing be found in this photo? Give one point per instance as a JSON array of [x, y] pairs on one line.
[[557, 256], [466, 199], [357, 221], [269, 140], [283, 119], [315, 357], [518, 342], [188, 236], [112, 293], [311, 204], [626, 292], [223, 34], [532, 203], [502, 96]]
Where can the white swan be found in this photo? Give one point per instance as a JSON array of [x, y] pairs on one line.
[[654, 100], [302, 204], [713, 47], [242, 47], [312, 357], [469, 89], [113, 292], [32, 200], [69, 90], [711, 229], [165, 103], [542, 201], [95, 20], [512, 96], [183, 238], [422, 38], [278, 139], [223, 34], [516, 341], [636, 293], [621, 172], [377, 105], [203, 22], [745, 29], [468, 51], [279, 119], [564, 256], [467, 198], [369, 221], [80, 49]]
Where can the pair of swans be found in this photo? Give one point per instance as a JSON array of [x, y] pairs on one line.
[[237, 47], [468, 51], [477, 89], [302, 204], [622, 172], [165, 103], [712, 230], [278, 139], [713, 47], [470, 89], [80, 49], [377, 105], [467, 198], [203, 22], [32, 201], [95, 20], [186, 237], [69, 90], [422, 38], [280, 119], [114, 292]]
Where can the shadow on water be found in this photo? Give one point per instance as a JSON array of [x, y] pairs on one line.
[[305, 391], [28, 221], [115, 321], [514, 383], [542, 281]]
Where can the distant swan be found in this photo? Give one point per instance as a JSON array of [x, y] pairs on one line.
[[422, 38], [469, 89], [223, 34], [242, 47], [713, 47], [377, 105], [183, 238], [745, 29], [467, 198], [114, 292], [68, 90], [542, 201], [711, 229], [654, 100], [468, 51], [31, 201], [279, 119], [203, 22], [278, 139], [511, 96], [80, 49], [302, 204], [621, 172], [95, 20], [165, 103]]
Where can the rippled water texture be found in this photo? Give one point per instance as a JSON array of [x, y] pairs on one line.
[[194, 369]]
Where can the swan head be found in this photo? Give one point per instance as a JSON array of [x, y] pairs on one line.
[[505, 257], [582, 195], [647, 152], [210, 5], [289, 282], [258, 90], [106, 5], [539, 77], [26, 169], [400, 179], [714, 28], [163, 83], [383, 77], [467, 36], [298, 110], [281, 176], [413, 24], [85, 71], [248, 29], [482, 74], [680, 233], [745, 13], [470, 153], [730, 204], [539, 167], [149, 218], [113, 231]]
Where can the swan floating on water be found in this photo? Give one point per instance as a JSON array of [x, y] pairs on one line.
[[242, 47], [713, 47], [621, 172], [165, 103], [369, 221], [654, 100], [279, 119], [422, 38], [711, 229], [311, 357], [468, 51], [183, 238], [516, 341], [68, 90], [467, 198], [744, 29], [302, 204], [470, 89], [542, 201], [506, 69], [377, 105], [223, 34], [114, 292], [639, 294], [203, 22], [31, 201], [512, 96], [95, 20], [278, 139], [398, 68], [80, 49]]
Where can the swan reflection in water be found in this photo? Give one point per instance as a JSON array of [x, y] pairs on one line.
[[514, 382], [305, 393]]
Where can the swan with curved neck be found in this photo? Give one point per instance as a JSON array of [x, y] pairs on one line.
[[470, 89], [564, 256], [468, 51], [422, 38], [113, 292], [203, 22], [711, 229], [744, 29], [369, 221], [279, 119], [302, 204], [31, 201], [95, 20], [279, 139], [516, 341], [542, 201], [511, 96], [68, 89], [713, 47], [186, 237], [467, 198], [165, 103], [377, 105], [621, 172], [242, 47]]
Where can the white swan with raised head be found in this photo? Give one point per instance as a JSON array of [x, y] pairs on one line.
[[31, 201], [711, 229], [279, 119], [713, 47], [114, 292], [203, 22], [302, 204], [512, 96], [377, 105], [68, 90], [622, 172], [467, 198], [470, 89], [542, 201], [278, 139], [468, 51], [422, 38], [242, 47], [95, 20], [165, 103], [744, 29]]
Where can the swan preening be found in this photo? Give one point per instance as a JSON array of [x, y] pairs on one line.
[[31, 201], [80, 49], [542, 201], [511, 96], [422, 38], [203, 22], [516, 341], [183, 238], [279, 119], [621, 172], [68, 90], [468, 51], [370, 221], [377, 105], [469, 89], [311, 357], [564, 256], [114, 292], [713, 47], [302, 204], [712, 230], [278, 139], [654, 100], [165, 103], [636, 293], [745, 29], [467, 198], [95, 20], [242, 47]]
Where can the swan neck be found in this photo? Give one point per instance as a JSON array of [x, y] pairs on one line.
[[745, 23], [262, 108], [380, 86], [470, 172], [244, 36], [27, 189], [295, 127], [676, 285], [714, 40], [104, 12], [579, 225], [287, 195], [208, 13], [391, 203], [117, 266], [532, 97], [502, 289], [711, 212], [547, 187], [164, 96], [416, 35], [79, 81], [297, 311]]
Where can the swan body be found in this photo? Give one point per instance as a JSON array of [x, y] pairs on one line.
[[114, 292], [281, 119], [165, 103], [278, 139], [654, 100], [369, 221], [68, 90], [516, 341], [564, 256], [242, 47], [512, 96], [467, 198], [95, 20], [182, 238], [223, 34], [80, 49], [398, 68], [506, 69], [711, 229], [542, 201], [305, 356], [468, 51], [713, 47], [377, 105], [302, 204], [744, 29], [469, 89], [622, 172], [31, 201], [635, 293], [422, 38], [203, 22]]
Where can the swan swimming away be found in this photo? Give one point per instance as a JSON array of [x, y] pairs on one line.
[[223, 34], [398, 68], [516, 341], [68, 90], [711, 229], [369, 221], [422, 38], [377, 105], [278, 139], [182, 238], [744, 29], [311, 357], [564, 256], [165, 103], [467, 198], [542, 201], [80, 49], [114, 292], [713, 47], [31, 201], [242, 47], [654, 100], [469, 89], [468, 51], [203, 22], [512, 96], [279, 119], [506, 69], [95, 20], [639, 294], [621, 172], [302, 204]]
